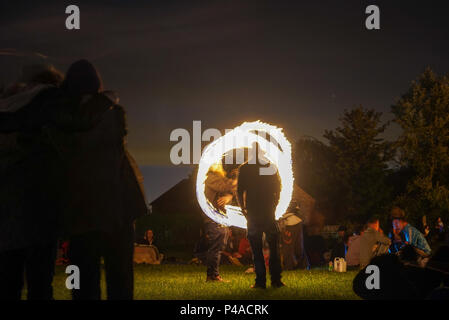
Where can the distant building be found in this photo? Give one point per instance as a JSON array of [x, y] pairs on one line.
[[180, 198], [176, 217]]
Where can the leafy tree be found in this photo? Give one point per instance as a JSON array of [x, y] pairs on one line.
[[360, 168], [313, 165], [423, 114]]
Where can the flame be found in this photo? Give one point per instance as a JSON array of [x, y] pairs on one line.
[[243, 137]]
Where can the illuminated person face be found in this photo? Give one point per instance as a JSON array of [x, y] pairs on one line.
[[398, 225], [149, 235]]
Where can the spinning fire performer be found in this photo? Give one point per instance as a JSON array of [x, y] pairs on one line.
[[219, 191]]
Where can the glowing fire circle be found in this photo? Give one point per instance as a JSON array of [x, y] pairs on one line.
[[243, 136]]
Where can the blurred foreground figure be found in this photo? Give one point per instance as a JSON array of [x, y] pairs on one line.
[[103, 192], [393, 283], [400, 277], [28, 211], [83, 183], [258, 196]]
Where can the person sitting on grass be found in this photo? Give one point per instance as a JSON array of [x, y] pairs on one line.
[[339, 249], [353, 252], [145, 251], [412, 235], [230, 250], [245, 254], [373, 242], [292, 239]]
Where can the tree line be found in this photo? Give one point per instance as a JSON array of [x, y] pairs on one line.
[[355, 172]]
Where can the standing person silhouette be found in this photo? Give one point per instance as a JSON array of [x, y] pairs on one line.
[[78, 180], [28, 214], [102, 188], [258, 196]]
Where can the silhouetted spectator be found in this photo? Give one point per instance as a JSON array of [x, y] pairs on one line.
[[292, 244], [258, 195], [315, 247], [402, 278], [102, 190], [29, 205], [425, 280], [393, 282], [339, 248]]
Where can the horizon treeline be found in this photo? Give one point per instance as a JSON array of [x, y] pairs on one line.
[[355, 173]]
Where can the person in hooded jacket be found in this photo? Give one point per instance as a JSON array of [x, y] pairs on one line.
[[103, 187], [95, 183], [28, 212]]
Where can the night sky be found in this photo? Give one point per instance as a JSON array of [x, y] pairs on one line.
[[295, 64]]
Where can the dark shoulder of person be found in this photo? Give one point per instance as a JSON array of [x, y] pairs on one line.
[[47, 95], [35, 114], [102, 103], [82, 113]]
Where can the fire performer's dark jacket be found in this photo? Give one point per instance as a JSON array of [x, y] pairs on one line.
[[262, 194], [79, 176]]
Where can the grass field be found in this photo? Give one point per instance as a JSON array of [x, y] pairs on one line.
[[184, 282]]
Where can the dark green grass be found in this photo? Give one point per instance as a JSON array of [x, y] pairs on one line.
[[184, 282]]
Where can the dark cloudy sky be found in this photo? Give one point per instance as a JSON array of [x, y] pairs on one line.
[[296, 64]]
